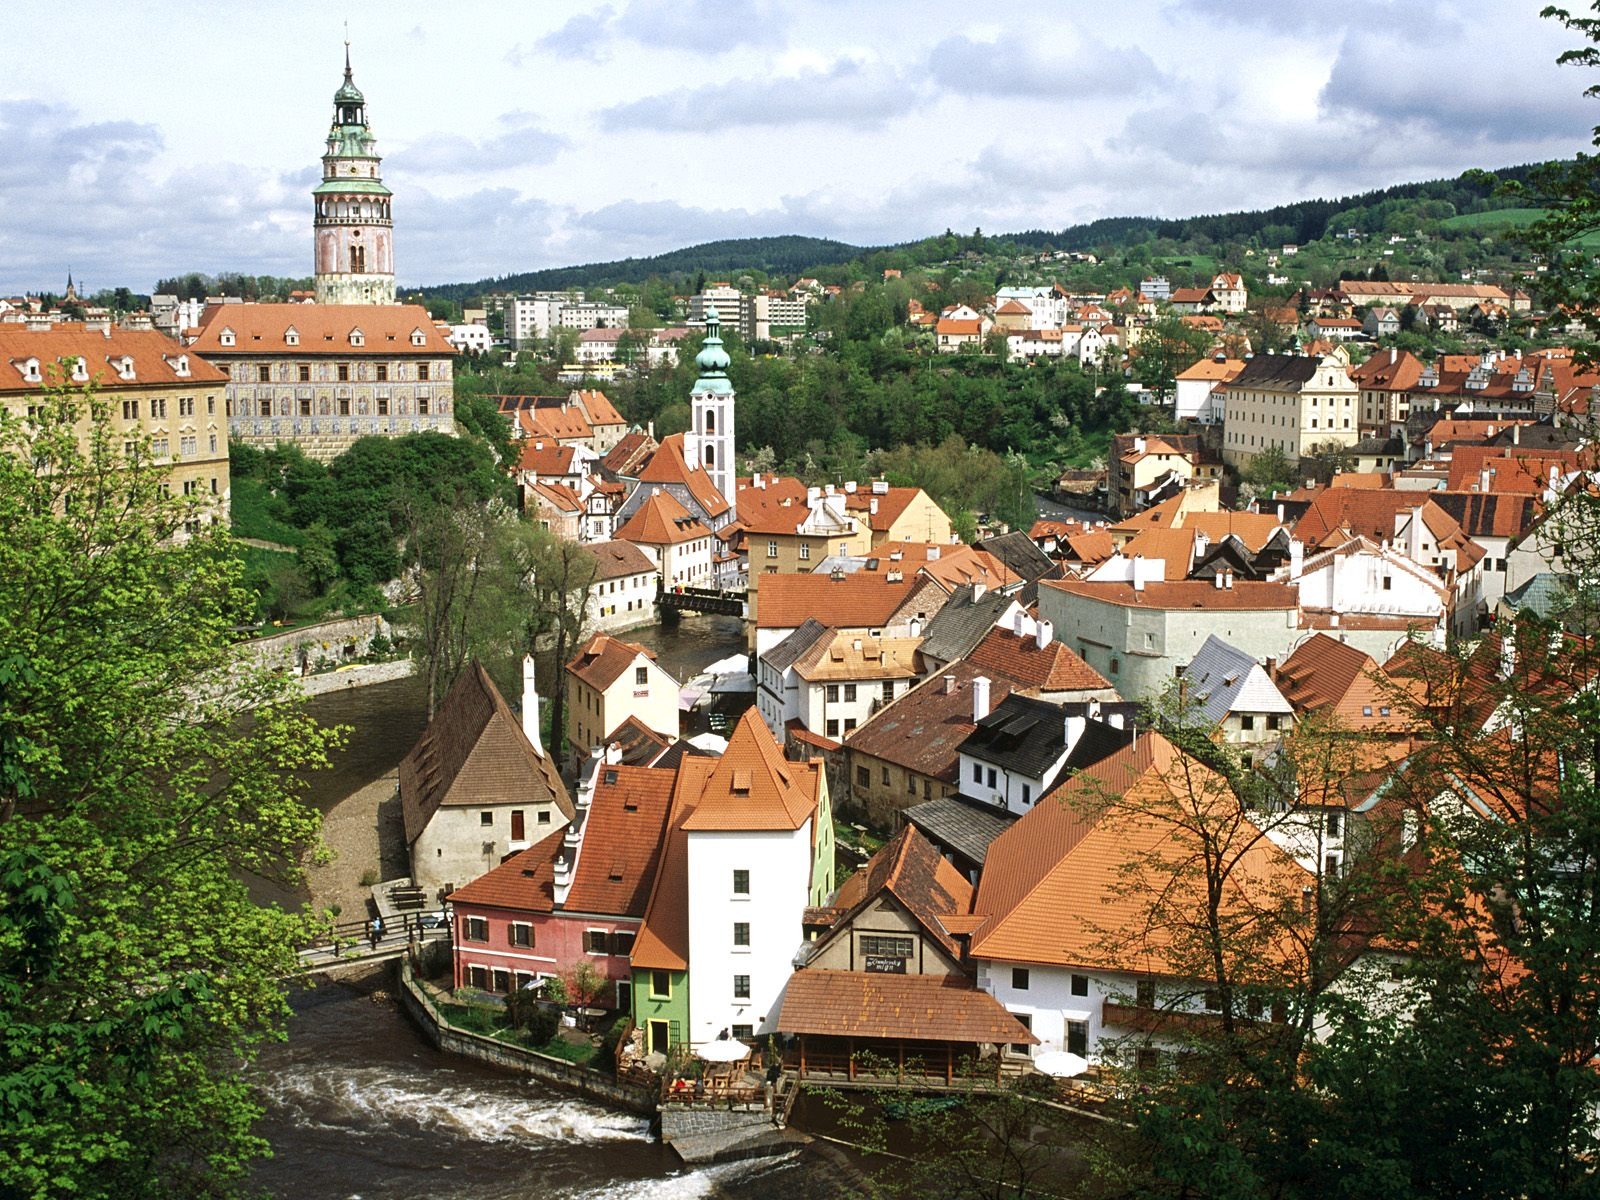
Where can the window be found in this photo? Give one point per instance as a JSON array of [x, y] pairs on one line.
[[304, 373], [805, 551], [186, 406], [992, 776], [383, 372], [158, 407], [622, 942], [886, 946], [1019, 978], [741, 987], [1080, 985], [849, 692], [130, 410], [344, 372], [596, 941], [486, 818], [1147, 1058], [1078, 1038], [263, 374], [741, 933], [383, 406], [833, 727], [741, 882], [1388, 583], [478, 977], [888, 690], [1330, 866], [1116, 666], [977, 772], [1027, 794], [476, 929], [772, 549], [660, 985], [1144, 993], [641, 676], [1247, 721], [423, 373], [885, 778], [1274, 721], [1026, 1021], [743, 1033], [1213, 1001], [1335, 824], [522, 935], [831, 692], [1366, 710]]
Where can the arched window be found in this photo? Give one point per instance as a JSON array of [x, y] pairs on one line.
[[711, 456], [711, 420]]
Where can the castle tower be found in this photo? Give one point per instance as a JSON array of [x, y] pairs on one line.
[[709, 443], [354, 230]]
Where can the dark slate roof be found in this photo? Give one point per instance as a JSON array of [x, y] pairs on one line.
[[1540, 436], [909, 868], [1380, 445], [1276, 371], [962, 623], [1019, 552], [677, 752], [1021, 734], [1100, 739], [963, 826], [784, 655]]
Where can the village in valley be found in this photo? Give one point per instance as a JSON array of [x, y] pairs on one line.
[[1169, 748]]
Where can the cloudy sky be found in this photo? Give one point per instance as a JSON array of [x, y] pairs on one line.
[[138, 141]]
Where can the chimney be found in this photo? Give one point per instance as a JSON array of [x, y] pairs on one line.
[[530, 706], [1074, 726], [980, 698], [1393, 354], [1297, 559], [977, 591], [613, 754], [1227, 579], [1018, 621], [1138, 573], [1043, 631], [1280, 514], [949, 685], [1516, 435], [1272, 667], [1483, 479], [1216, 581], [1508, 655], [872, 506], [850, 487]]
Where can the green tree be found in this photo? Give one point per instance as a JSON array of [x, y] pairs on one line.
[[1166, 348], [1268, 472], [137, 977], [318, 561]]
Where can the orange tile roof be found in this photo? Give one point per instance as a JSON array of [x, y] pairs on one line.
[[324, 330], [598, 406], [1253, 529], [1014, 308], [556, 496], [1516, 470], [547, 458], [1173, 547], [622, 838], [474, 753], [1336, 513], [1056, 668], [938, 1008], [847, 656], [155, 357], [668, 465], [556, 421], [960, 565], [525, 882], [1055, 884], [1327, 675], [603, 659], [663, 940], [752, 786], [909, 868], [891, 504], [628, 454], [857, 601], [1219, 369], [661, 521], [954, 327], [1189, 593], [1091, 547]]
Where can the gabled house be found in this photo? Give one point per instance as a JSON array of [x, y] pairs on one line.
[[679, 545], [1071, 950], [623, 595], [965, 620], [478, 785], [778, 687], [1027, 654], [1235, 696], [844, 678], [579, 895], [609, 681], [885, 974], [892, 604], [749, 849]]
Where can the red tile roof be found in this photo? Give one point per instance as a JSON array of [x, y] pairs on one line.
[[1056, 668], [668, 465], [598, 406], [891, 503], [856, 601], [547, 458], [661, 521], [1327, 675], [155, 357], [938, 1008], [622, 839], [922, 730], [752, 786], [603, 659], [324, 330]]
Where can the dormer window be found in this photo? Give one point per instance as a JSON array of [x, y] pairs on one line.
[[291, 336], [30, 370], [227, 338], [357, 338], [123, 366], [80, 370], [179, 365], [418, 338]]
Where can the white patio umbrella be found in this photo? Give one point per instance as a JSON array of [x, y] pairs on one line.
[[728, 1050], [1060, 1064]]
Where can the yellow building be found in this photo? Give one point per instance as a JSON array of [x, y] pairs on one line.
[[1290, 402], [152, 387]]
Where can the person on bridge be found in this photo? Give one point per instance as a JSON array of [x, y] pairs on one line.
[[375, 931]]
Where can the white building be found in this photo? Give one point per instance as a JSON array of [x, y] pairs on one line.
[[592, 314], [609, 681], [471, 339], [709, 445], [532, 318], [623, 595]]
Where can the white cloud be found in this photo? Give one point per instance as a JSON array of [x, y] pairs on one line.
[[1017, 64]]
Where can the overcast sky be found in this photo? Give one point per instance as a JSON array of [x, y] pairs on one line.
[[139, 141]]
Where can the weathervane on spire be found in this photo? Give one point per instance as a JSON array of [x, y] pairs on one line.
[[347, 49]]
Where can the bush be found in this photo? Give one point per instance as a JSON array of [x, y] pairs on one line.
[[543, 1023], [608, 1043]]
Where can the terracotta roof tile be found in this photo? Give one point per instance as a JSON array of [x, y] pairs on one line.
[[1189, 593], [1327, 675], [661, 521], [891, 503], [622, 838], [603, 659], [663, 941], [525, 882], [598, 406], [323, 329], [615, 559], [668, 465], [856, 601], [1056, 668], [938, 1008], [752, 786], [155, 357], [630, 453]]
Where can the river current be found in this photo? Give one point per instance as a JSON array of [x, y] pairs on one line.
[[360, 1107]]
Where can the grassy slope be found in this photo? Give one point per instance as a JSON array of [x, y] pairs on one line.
[[251, 518]]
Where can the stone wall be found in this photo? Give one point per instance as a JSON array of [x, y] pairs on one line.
[[680, 1121], [558, 1071], [343, 640]]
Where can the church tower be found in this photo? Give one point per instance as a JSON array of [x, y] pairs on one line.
[[709, 442], [354, 231]]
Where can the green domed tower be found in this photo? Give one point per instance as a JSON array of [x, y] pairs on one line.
[[353, 224], [709, 444]]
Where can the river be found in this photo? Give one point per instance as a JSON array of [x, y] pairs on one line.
[[360, 1106]]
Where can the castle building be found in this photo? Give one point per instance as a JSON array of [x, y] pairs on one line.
[[352, 218], [709, 444]]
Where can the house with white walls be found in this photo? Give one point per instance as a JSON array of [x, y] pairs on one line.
[[623, 595], [609, 681], [478, 785], [680, 546], [846, 677], [1087, 963], [1235, 697], [750, 848]]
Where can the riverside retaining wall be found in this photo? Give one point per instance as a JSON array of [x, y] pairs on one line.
[[558, 1071]]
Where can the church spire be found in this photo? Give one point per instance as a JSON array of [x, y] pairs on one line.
[[353, 221]]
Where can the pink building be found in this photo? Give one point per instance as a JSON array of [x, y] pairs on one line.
[[578, 895]]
